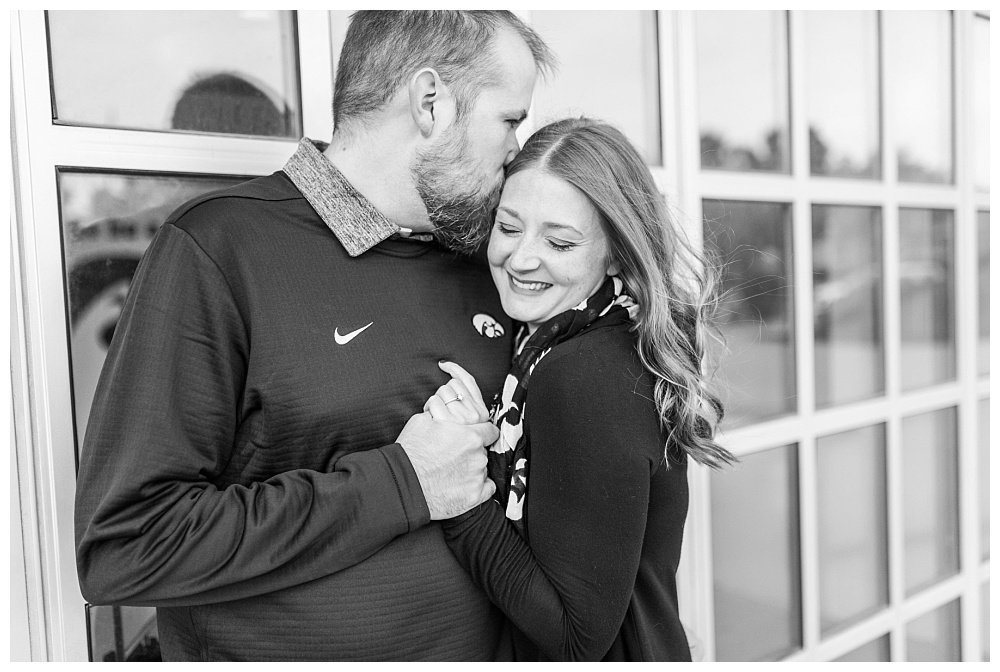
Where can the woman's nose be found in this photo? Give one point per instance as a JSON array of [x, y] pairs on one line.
[[523, 257]]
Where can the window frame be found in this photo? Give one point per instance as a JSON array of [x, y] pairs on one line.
[[45, 449], [42, 408], [802, 190]]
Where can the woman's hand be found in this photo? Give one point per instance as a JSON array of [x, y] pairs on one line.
[[459, 400]]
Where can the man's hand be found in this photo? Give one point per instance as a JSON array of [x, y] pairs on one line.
[[450, 462]]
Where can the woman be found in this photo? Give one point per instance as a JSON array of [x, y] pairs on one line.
[[604, 403]]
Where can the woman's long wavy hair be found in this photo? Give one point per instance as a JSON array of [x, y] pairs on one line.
[[670, 281]]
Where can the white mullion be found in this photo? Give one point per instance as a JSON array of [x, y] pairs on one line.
[[933, 597], [855, 636], [48, 360], [939, 196], [892, 335], [836, 191], [698, 530], [23, 429], [669, 115], [103, 148], [801, 268], [530, 123], [966, 332], [745, 186], [982, 388], [315, 55]]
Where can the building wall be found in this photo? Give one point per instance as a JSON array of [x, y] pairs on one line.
[[836, 163]]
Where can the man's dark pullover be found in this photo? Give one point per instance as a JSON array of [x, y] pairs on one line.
[[240, 471]]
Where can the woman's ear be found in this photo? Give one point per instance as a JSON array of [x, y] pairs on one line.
[[613, 267], [426, 91]]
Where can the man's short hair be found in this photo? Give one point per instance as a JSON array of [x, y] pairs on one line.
[[385, 48]]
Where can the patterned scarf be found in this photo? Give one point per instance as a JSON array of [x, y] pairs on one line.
[[508, 457]]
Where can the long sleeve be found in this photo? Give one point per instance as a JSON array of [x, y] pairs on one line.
[[152, 528], [589, 475]]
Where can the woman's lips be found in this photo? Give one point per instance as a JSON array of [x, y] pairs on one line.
[[528, 286]]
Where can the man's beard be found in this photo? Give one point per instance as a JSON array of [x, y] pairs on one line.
[[460, 208]]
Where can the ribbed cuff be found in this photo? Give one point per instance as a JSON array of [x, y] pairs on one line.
[[411, 495]]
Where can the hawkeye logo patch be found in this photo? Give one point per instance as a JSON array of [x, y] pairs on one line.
[[487, 326]]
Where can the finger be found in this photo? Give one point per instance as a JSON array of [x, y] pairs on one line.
[[437, 409], [488, 489], [460, 402], [478, 461], [456, 387], [487, 431], [456, 371]]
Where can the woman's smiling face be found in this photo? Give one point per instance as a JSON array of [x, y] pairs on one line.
[[548, 250]]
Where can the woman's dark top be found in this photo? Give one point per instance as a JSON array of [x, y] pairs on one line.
[[604, 515]]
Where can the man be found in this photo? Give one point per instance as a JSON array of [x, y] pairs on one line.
[[244, 469]]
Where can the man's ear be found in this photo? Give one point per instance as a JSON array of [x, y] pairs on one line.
[[426, 91]]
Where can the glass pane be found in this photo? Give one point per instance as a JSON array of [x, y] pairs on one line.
[[876, 651], [847, 295], [935, 637], [919, 79], [123, 634], [930, 498], [853, 536], [984, 621], [927, 287], [984, 478], [983, 248], [211, 71], [743, 90], [981, 100], [756, 376], [107, 222], [617, 80], [755, 555], [843, 93]]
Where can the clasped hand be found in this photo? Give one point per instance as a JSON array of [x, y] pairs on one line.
[[446, 445]]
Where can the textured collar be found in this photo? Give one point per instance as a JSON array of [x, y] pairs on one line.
[[352, 218]]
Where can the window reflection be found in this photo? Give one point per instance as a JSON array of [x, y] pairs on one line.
[[853, 532], [935, 637], [983, 470], [981, 100], [843, 93], [123, 634], [984, 621], [209, 71], [919, 74], [983, 251], [108, 221], [755, 556], [756, 378], [847, 295], [614, 77], [930, 498], [743, 90], [927, 287], [876, 651]]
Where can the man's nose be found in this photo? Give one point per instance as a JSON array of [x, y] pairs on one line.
[[512, 148]]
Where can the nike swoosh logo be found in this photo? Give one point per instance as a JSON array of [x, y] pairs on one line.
[[347, 338]]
